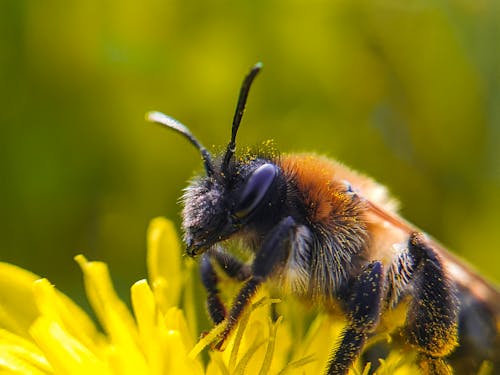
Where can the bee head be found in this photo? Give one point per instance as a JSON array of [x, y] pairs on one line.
[[231, 195], [216, 207]]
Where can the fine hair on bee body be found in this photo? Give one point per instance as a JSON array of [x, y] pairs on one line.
[[333, 238]]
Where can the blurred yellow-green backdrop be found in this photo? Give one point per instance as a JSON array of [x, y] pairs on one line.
[[407, 92]]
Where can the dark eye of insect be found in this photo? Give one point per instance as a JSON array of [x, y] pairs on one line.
[[255, 189]]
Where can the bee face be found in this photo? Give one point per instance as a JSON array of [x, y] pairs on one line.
[[205, 221], [216, 207]]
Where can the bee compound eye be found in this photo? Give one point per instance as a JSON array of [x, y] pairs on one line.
[[255, 189]]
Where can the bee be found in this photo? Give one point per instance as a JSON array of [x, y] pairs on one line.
[[333, 238]]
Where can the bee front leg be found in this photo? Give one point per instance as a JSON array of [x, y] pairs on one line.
[[232, 266], [363, 310], [432, 319], [271, 256]]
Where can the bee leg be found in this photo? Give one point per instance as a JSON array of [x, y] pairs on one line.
[[233, 267], [363, 309], [432, 319], [209, 278], [272, 255]]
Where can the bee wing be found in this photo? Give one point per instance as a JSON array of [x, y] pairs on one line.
[[461, 272]]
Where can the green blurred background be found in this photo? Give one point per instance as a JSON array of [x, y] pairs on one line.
[[407, 92]]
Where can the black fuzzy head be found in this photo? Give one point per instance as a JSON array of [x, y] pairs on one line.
[[248, 197]]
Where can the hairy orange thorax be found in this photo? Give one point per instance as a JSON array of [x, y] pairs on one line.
[[324, 192]]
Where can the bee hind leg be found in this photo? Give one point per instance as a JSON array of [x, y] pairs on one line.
[[363, 310], [432, 319]]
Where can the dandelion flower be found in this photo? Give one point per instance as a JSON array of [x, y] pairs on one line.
[[42, 331]]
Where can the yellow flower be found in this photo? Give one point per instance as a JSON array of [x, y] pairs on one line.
[[44, 332]]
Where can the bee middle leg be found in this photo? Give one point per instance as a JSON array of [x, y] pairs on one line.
[[271, 256], [363, 310]]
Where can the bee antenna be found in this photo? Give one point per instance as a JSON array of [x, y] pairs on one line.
[[171, 123], [238, 114]]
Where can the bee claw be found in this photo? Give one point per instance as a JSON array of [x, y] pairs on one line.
[[219, 345]]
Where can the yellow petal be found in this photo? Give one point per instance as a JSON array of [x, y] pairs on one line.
[[398, 363], [190, 297], [252, 333], [11, 363], [178, 362], [124, 361], [206, 340], [233, 346], [17, 306], [318, 343], [65, 353], [216, 366], [164, 262], [268, 358], [21, 355], [246, 362], [175, 320], [114, 317], [150, 325], [283, 346], [59, 308], [253, 344], [102, 295]]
